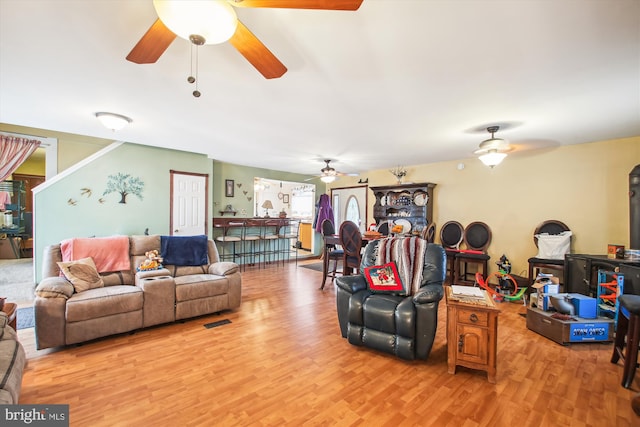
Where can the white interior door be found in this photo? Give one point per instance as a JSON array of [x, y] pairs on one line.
[[188, 204], [350, 204]]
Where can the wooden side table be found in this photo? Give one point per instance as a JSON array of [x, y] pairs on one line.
[[472, 332], [12, 313]]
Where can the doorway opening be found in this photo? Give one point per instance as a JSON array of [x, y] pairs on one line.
[[288, 199]]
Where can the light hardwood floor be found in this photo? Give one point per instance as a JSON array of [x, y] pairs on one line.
[[282, 361]]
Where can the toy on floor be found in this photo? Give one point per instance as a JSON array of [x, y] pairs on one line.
[[506, 288]]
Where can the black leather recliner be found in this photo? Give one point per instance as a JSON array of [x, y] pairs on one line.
[[404, 326]]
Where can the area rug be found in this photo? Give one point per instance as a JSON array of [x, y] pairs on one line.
[[16, 280], [318, 266], [25, 318]]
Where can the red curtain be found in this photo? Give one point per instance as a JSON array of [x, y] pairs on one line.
[[13, 152]]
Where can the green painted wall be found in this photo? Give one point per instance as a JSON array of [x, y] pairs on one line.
[[244, 175], [62, 210]]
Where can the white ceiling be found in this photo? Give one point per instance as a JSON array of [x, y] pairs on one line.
[[396, 82]]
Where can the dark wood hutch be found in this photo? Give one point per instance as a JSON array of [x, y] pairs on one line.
[[412, 202]]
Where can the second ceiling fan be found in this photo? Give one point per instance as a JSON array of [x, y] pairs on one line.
[[329, 174], [215, 21]]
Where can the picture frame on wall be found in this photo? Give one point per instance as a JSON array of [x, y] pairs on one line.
[[285, 198], [228, 187]]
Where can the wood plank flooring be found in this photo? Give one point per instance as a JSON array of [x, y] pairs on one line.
[[282, 362]]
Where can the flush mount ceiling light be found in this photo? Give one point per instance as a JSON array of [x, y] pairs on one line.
[[492, 151], [113, 121]]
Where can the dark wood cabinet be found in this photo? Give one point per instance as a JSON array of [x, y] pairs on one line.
[[581, 273], [411, 202]]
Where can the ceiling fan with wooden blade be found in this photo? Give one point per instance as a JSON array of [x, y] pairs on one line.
[[329, 174], [212, 13]]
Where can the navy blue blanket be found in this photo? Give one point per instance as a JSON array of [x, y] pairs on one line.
[[184, 250]]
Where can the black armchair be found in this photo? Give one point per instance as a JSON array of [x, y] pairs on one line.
[[404, 326]]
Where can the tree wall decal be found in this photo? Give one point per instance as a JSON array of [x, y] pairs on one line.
[[124, 184]]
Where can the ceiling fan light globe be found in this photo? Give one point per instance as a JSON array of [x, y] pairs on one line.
[[213, 20], [492, 158], [328, 178]]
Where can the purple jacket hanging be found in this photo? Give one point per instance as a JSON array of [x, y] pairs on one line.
[[324, 212]]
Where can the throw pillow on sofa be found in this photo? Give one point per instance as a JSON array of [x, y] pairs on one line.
[[82, 274], [384, 279]]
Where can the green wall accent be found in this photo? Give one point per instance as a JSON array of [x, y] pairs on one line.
[[244, 175], [62, 211]]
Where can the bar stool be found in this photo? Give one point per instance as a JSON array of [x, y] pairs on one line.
[[451, 235], [477, 237], [289, 231], [330, 253], [629, 328], [251, 233], [269, 239], [231, 233]]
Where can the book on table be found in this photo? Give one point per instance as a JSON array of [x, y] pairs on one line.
[[467, 291]]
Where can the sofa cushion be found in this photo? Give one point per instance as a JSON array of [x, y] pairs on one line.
[[379, 312], [54, 287], [139, 245], [82, 274], [224, 268], [8, 333], [186, 270], [12, 361], [3, 323], [200, 286], [118, 278], [105, 301]]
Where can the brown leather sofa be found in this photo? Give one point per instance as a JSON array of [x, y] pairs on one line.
[[12, 363], [130, 299]]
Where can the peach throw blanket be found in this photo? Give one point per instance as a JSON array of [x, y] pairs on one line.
[[108, 253]]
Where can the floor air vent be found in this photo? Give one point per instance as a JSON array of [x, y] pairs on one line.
[[218, 323]]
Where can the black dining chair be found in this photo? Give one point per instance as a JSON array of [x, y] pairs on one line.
[[383, 228], [451, 236], [331, 253], [536, 264], [429, 232], [351, 242], [477, 237]]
